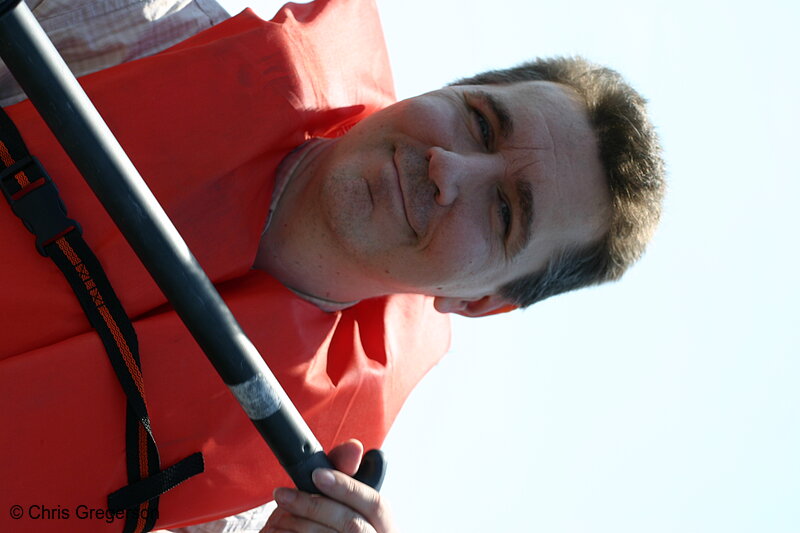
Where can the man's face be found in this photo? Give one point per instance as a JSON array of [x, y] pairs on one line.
[[456, 192]]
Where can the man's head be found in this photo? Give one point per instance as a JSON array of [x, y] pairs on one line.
[[460, 194], [634, 171]]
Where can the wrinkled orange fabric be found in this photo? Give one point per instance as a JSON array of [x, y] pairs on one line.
[[206, 123]]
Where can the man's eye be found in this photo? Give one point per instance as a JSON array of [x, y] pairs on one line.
[[504, 210], [484, 127]]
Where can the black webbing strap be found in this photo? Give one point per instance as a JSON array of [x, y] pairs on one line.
[[34, 199]]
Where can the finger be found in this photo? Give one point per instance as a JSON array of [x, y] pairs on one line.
[[362, 498], [347, 456], [322, 510]]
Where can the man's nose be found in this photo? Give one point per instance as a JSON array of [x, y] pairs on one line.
[[455, 174]]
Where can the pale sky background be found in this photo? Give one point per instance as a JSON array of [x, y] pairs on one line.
[[667, 402]]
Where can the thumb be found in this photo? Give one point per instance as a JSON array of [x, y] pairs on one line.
[[347, 456]]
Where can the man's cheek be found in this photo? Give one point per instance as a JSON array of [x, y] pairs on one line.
[[430, 122], [461, 252]]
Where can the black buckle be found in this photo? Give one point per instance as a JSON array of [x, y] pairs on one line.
[[37, 203]]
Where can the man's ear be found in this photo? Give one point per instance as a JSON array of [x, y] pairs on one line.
[[488, 305]]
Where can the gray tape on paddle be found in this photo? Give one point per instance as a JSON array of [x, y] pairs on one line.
[[258, 399]]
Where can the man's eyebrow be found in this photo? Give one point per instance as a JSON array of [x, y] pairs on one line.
[[501, 113], [525, 203]]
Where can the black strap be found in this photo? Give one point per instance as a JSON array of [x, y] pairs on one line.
[[137, 493], [34, 199]]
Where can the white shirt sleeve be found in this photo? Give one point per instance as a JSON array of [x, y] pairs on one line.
[[95, 34], [247, 522]]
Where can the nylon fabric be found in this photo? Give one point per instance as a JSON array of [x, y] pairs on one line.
[[61, 240]]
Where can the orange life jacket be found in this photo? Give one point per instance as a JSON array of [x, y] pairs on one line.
[[206, 123]]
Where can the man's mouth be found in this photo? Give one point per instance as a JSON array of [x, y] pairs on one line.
[[403, 195]]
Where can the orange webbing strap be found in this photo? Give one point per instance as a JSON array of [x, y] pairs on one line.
[[34, 198]]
